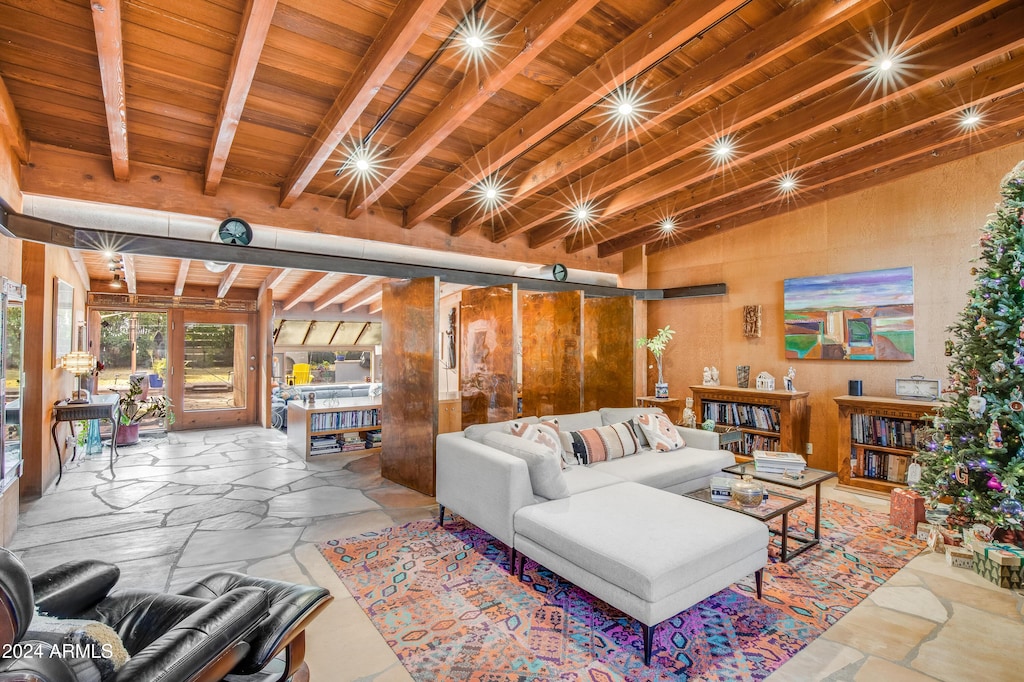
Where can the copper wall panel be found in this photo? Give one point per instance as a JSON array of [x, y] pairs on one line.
[[487, 355], [409, 356], [608, 351], [551, 352]]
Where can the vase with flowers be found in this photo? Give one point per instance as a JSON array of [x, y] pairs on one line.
[[657, 344]]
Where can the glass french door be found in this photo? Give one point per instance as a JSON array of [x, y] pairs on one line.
[[213, 380]]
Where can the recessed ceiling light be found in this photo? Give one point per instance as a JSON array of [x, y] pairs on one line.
[[787, 183], [623, 106], [490, 192], [477, 38], [970, 118], [723, 149], [582, 214], [474, 41], [668, 225], [885, 64]]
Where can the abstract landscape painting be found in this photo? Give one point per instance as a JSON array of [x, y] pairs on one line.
[[852, 316]]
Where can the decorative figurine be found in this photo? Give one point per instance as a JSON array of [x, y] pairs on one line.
[[765, 382], [707, 377], [995, 435], [689, 416], [976, 406], [714, 376], [787, 380]]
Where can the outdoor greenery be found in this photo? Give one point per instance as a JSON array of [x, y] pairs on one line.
[[974, 457]]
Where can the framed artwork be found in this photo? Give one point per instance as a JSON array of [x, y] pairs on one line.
[[853, 316], [752, 321], [63, 319]]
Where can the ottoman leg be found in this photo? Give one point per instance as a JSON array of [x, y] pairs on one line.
[[440, 516], [648, 635], [759, 579]]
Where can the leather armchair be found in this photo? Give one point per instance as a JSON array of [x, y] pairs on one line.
[[170, 638]]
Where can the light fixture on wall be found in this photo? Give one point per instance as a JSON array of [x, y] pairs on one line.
[[117, 282]]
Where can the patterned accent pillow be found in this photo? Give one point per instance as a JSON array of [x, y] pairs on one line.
[[544, 434], [600, 444], [660, 432]]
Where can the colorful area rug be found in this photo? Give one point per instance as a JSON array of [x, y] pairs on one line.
[[447, 606]]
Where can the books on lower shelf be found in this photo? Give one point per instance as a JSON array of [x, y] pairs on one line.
[[774, 462], [323, 445], [883, 466]]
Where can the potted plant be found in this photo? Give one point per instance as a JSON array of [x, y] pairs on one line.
[[156, 377], [134, 410], [656, 344]]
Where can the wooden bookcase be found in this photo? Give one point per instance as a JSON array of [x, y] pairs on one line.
[[332, 417], [876, 440], [786, 428]]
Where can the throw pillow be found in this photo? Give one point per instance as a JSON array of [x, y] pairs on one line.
[[589, 446], [660, 432], [542, 434], [544, 465], [100, 653]]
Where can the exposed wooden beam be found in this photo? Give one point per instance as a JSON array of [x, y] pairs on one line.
[[744, 56], [672, 27], [374, 293], [80, 268], [405, 25], [856, 168], [10, 125], [337, 290], [546, 21], [228, 278], [273, 278], [106, 20], [302, 290], [129, 272], [967, 49], [179, 281], [377, 305], [799, 83], [359, 290], [251, 37]]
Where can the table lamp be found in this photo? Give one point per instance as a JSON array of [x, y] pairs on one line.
[[80, 363]]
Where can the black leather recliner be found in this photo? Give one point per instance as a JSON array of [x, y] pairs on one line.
[[225, 623]]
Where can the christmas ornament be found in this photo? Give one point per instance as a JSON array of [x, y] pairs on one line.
[[1018, 358], [1016, 400], [994, 484], [913, 473], [947, 445], [982, 323], [1010, 507], [976, 406], [1016, 405], [995, 435], [949, 348], [960, 473], [998, 367]]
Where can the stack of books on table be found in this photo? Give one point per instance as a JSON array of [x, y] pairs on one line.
[[353, 441], [323, 445], [771, 462], [373, 439]]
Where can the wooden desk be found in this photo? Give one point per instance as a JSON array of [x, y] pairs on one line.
[[665, 404], [98, 407]]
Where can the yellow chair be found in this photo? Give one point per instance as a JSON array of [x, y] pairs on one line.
[[300, 370]]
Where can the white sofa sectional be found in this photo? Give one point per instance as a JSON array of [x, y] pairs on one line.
[[623, 532]]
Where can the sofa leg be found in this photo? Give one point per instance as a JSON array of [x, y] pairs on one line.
[[759, 579], [522, 566], [648, 636], [512, 558], [440, 515]]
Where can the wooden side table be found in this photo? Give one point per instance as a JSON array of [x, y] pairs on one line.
[[98, 407], [675, 404]]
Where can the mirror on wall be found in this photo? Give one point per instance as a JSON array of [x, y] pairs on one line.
[[12, 307]]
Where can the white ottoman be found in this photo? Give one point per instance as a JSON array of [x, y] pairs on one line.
[[647, 552]]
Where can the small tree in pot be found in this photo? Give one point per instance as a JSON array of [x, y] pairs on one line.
[[657, 344]]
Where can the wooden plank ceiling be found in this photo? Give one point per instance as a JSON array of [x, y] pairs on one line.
[[740, 109]]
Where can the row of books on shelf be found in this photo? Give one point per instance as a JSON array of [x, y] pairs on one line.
[[775, 462], [739, 414], [751, 442], [885, 431], [346, 442], [329, 421], [882, 466]]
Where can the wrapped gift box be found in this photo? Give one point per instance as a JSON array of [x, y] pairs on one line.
[[906, 510], [999, 564], [960, 557], [923, 530]]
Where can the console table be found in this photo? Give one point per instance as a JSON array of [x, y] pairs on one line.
[[98, 407]]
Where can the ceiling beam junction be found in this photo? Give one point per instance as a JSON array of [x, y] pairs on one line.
[[228, 279]]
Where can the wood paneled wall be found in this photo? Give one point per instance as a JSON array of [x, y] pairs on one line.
[[410, 350], [929, 221], [608, 352], [551, 342], [487, 357]]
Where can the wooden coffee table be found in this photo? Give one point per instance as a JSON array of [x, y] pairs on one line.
[[778, 504], [801, 481]]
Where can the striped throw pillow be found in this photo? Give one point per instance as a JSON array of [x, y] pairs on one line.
[[660, 432], [601, 444]]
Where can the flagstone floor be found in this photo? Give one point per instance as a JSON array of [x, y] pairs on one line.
[[192, 502]]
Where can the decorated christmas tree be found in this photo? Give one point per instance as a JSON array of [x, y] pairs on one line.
[[974, 458]]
